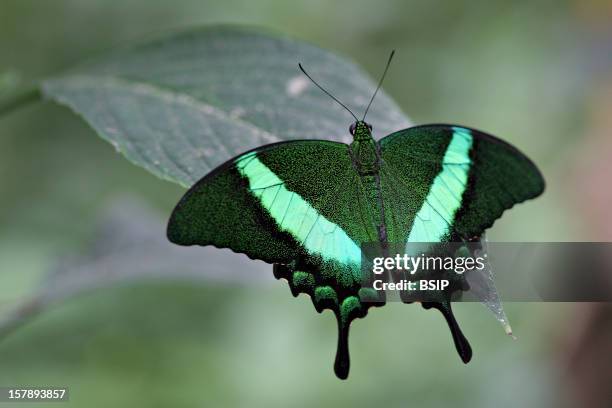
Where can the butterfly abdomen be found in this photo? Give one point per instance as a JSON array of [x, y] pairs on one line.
[[374, 200]]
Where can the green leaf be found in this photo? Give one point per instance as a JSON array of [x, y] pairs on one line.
[[9, 80], [182, 105]]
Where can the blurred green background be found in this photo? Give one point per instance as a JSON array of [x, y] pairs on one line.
[[536, 73]]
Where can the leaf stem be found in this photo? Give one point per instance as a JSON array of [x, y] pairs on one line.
[[20, 99]]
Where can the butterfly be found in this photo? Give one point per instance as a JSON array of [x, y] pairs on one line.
[[308, 206]]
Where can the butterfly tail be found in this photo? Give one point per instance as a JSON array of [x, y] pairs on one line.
[[342, 363], [461, 343], [350, 309]]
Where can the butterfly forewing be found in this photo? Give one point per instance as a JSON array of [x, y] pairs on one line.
[[290, 203], [458, 182]]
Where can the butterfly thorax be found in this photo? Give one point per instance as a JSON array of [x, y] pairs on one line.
[[363, 149]]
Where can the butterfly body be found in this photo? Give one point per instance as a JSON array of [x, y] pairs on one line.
[[365, 155], [309, 206]]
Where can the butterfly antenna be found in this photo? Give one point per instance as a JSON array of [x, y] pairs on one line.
[[379, 83], [328, 94]]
